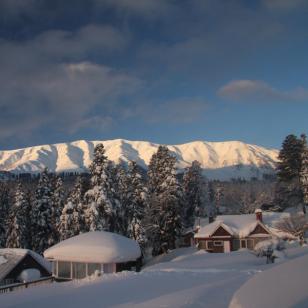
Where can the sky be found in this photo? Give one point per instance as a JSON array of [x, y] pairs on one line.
[[166, 71]]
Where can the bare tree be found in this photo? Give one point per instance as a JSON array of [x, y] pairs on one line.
[[296, 224]]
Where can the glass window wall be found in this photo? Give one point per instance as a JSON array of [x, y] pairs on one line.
[[64, 269], [79, 270]]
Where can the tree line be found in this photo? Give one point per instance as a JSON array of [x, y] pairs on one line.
[[153, 210]]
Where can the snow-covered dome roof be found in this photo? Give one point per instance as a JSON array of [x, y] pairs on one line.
[[95, 247]]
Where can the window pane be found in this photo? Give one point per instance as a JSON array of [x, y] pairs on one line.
[[218, 243], [92, 267], [210, 245], [64, 269], [79, 270]]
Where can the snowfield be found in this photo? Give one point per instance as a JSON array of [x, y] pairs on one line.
[[220, 160], [184, 278]]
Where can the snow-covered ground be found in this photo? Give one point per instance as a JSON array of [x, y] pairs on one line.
[[284, 285], [186, 278]]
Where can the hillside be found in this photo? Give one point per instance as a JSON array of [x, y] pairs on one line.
[[220, 160]]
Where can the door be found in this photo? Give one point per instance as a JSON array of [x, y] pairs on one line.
[[227, 246]]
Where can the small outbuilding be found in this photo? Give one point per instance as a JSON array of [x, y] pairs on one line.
[[22, 265], [93, 253]]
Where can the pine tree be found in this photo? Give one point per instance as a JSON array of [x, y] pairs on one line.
[[67, 224], [57, 206], [164, 202], [118, 194], [194, 188], [289, 157], [76, 197], [100, 211], [288, 189], [72, 220], [42, 228], [135, 205], [4, 212], [18, 226], [304, 174]]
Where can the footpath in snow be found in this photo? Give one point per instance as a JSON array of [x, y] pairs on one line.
[[185, 278]]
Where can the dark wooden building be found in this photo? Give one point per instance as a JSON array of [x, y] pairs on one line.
[[16, 264]]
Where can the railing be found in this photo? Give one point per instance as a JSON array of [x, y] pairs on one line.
[[24, 285]]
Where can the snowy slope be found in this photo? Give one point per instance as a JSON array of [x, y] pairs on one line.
[[220, 160], [287, 284]]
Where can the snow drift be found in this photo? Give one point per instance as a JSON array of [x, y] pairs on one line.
[[284, 285], [220, 160]]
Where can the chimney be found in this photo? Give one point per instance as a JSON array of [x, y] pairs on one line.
[[211, 218], [258, 213]]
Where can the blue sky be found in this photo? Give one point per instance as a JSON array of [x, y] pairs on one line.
[[167, 71]]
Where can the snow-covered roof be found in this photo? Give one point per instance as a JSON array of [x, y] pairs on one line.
[[95, 247], [243, 225], [10, 257]]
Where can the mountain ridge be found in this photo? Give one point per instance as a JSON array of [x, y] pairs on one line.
[[219, 160]]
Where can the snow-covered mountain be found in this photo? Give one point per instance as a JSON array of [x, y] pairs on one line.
[[220, 160]]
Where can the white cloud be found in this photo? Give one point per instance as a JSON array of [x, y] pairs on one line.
[[182, 110], [145, 8], [46, 81], [284, 4], [260, 91]]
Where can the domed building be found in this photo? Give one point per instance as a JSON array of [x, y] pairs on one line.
[[93, 253]]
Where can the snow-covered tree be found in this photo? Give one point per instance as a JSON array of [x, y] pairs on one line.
[[72, 220], [4, 210], [77, 198], [41, 214], [18, 225], [165, 198], [194, 187], [135, 206], [119, 195], [304, 174], [57, 205], [99, 213], [67, 227], [296, 224]]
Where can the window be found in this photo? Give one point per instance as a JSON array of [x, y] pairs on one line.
[[218, 243], [64, 269], [93, 267], [209, 245], [79, 270]]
